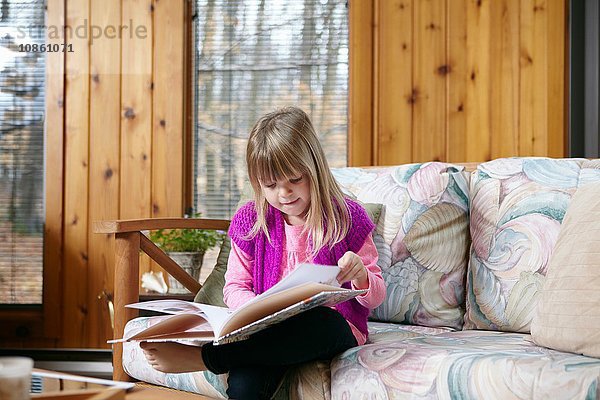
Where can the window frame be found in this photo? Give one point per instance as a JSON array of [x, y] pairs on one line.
[[40, 325]]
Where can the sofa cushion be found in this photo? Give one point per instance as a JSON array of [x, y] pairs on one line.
[[306, 381], [390, 331], [568, 316], [463, 365], [517, 206], [422, 238]]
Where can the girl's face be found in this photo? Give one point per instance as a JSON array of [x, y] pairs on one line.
[[291, 197]]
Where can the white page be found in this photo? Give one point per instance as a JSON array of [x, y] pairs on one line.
[[217, 316], [168, 306], [304, 273]]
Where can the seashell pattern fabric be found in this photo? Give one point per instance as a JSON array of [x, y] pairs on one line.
[[463, 365], [422, 237], [517, 207], [412, 362]]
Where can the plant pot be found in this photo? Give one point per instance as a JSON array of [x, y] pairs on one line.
[[191, 262]]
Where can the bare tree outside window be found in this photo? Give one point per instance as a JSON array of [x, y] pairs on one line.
[[252, 57], [21, 153]]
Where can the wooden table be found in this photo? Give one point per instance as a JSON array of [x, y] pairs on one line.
[[58, 385], [145, 391]]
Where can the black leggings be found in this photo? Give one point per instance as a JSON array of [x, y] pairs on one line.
[[257, 365]]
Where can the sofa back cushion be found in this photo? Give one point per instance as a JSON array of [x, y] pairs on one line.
[[422, 238], [517, 207]]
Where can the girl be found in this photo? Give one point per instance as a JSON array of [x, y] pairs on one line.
[[299, 215]]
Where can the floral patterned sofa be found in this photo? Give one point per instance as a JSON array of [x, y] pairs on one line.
[[464, 255]]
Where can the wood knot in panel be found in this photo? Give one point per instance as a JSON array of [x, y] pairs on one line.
[[129, 113], [444, 69], [414, 96]]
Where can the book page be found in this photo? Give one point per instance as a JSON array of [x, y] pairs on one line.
[[167, 306], [173, 325], [325, 274], [217, 316]]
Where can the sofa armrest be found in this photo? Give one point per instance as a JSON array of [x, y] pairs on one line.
[[129, 240]]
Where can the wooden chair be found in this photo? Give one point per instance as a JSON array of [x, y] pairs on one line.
[[129, 240]]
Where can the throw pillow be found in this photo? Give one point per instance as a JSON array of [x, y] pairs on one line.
[[568, 316], [422, 238]]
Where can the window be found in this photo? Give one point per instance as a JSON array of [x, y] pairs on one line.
[[21, 151], [252, 57]]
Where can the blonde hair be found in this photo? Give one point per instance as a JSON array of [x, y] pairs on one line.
[[283, 144]]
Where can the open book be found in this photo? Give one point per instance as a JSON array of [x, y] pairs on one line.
[[306, 287]]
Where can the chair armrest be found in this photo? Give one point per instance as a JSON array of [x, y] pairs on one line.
[[147, 224]]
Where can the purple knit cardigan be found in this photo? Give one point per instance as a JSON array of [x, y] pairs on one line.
[[267, 256]]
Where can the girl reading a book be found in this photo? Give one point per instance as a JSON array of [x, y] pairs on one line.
[[299, 214]]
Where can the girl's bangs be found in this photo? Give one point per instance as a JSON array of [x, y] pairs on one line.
[[276, 166]]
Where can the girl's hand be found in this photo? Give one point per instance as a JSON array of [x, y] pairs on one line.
[[173, 357], [353, 269]]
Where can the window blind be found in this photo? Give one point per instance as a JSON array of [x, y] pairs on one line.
[[21, 151], [252, 57]]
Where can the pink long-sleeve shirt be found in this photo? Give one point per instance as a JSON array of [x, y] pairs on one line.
[[238, 278]]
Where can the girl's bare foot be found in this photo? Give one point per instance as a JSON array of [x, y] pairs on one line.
[[173, 357]]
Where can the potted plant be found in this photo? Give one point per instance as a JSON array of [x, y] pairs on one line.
[[187, 248]]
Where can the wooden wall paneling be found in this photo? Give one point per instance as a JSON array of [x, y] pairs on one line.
[[534, 72], [167, 115], [478, 82], [540, 78], [557, 83], [105, 124], [136, 114], [54, 128], [456, 130], [394, 82], [360, 85], [167, 126], [429, 81], [504, 78], [75, 289]]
